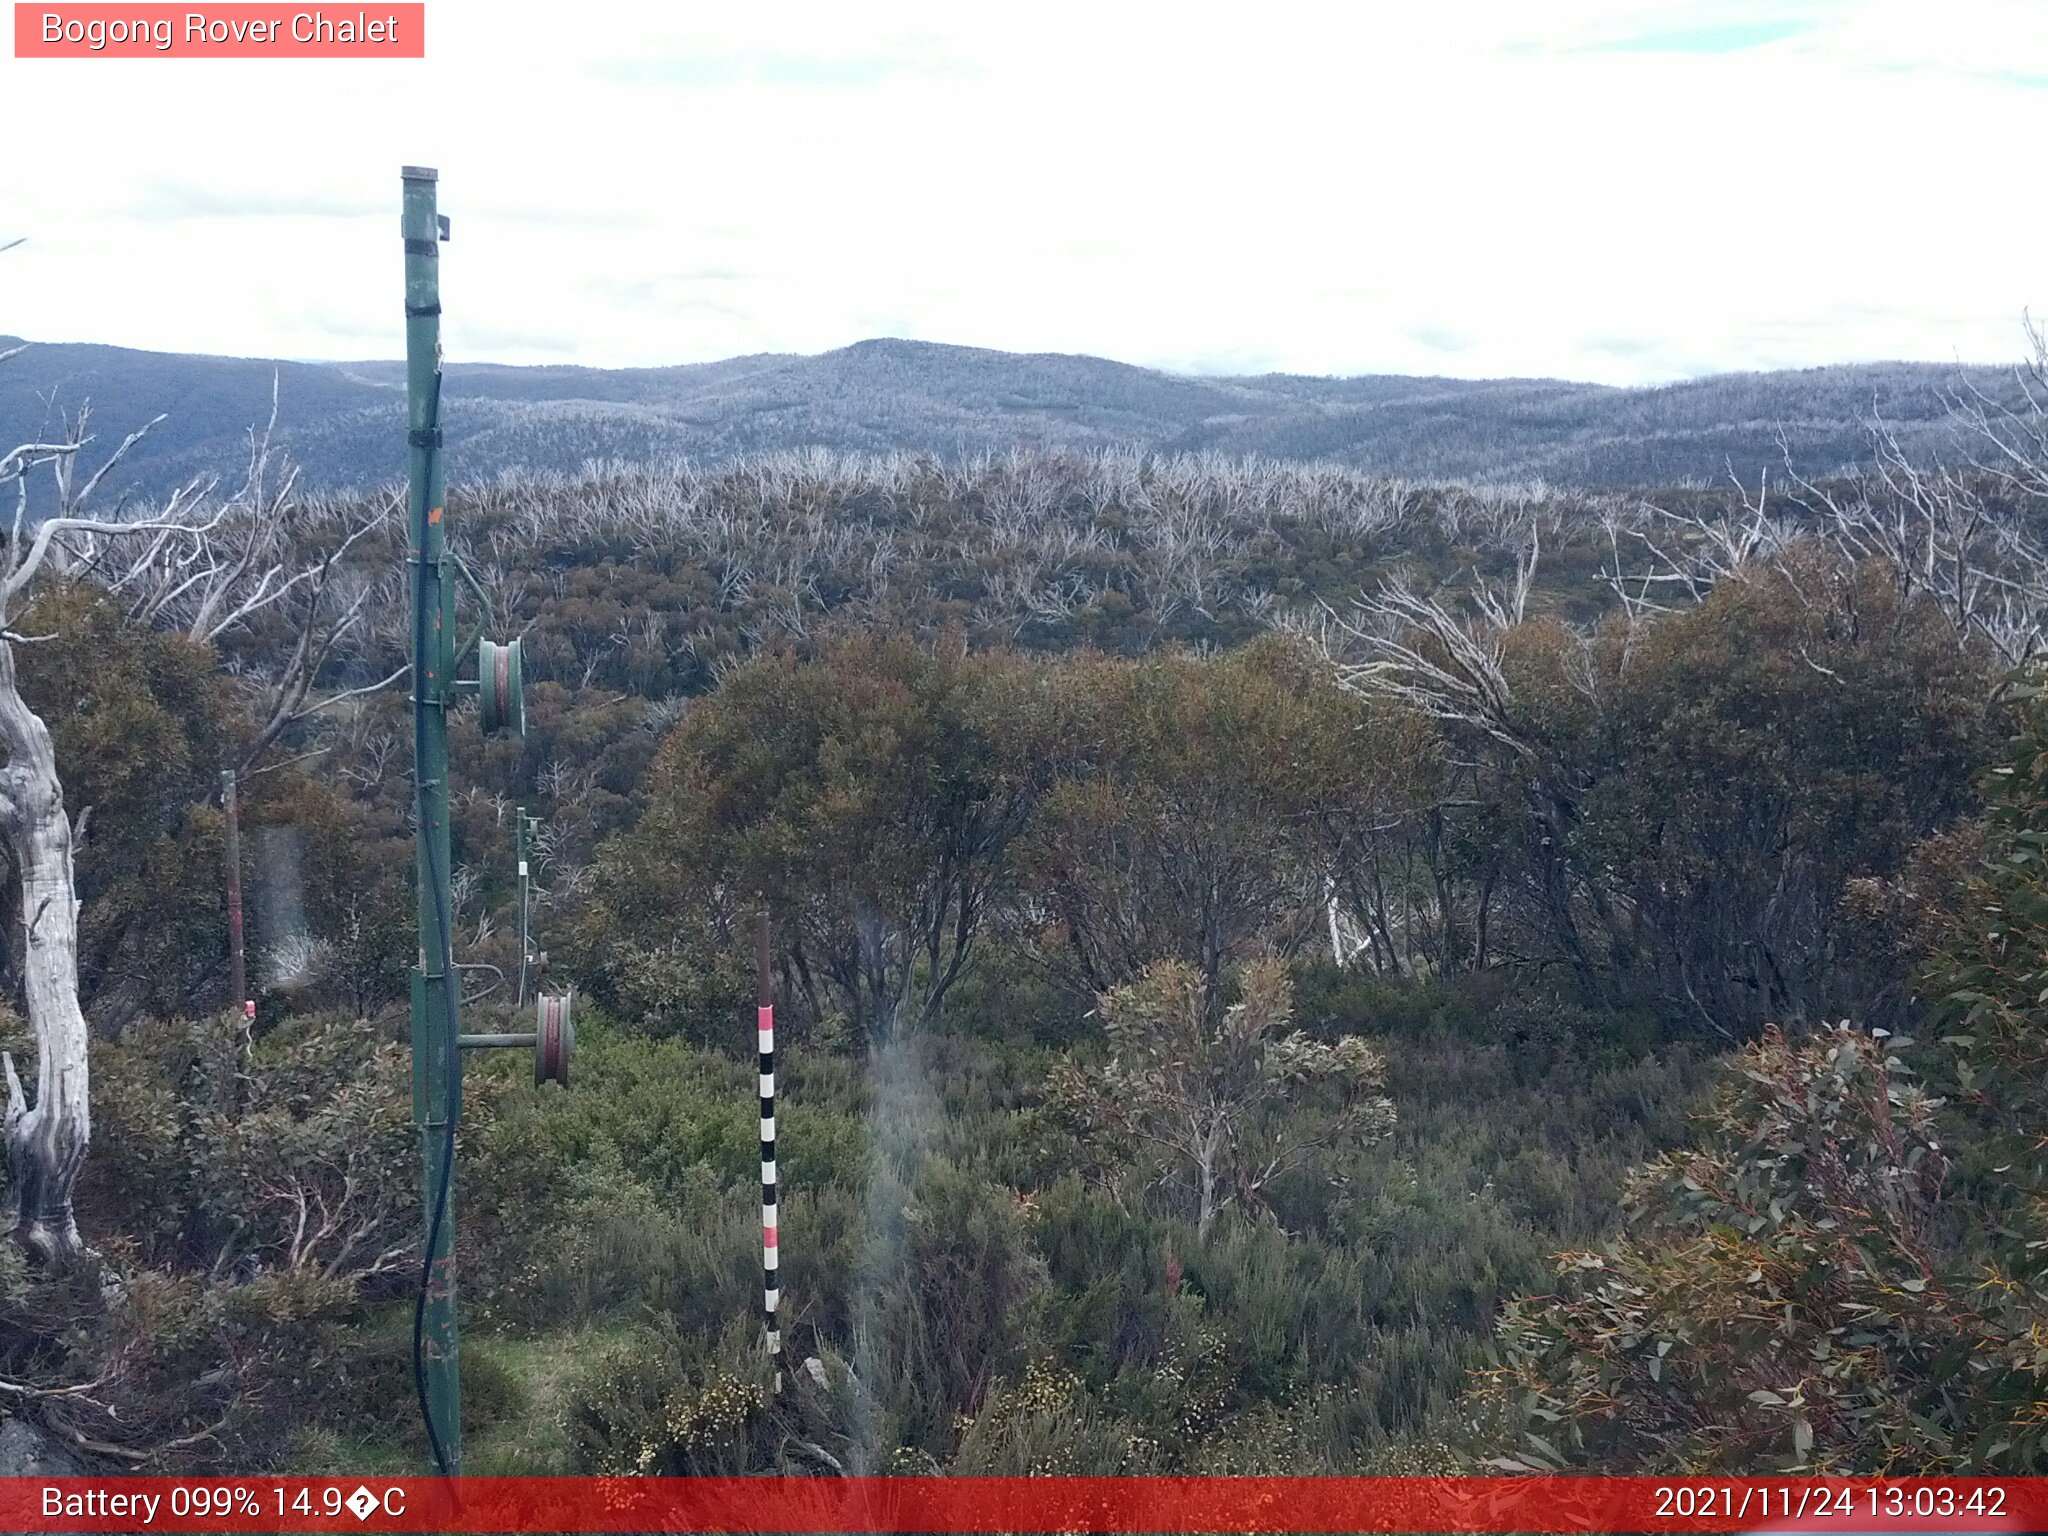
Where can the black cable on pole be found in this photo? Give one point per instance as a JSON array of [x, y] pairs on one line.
[[454, 1108], [438, 878]]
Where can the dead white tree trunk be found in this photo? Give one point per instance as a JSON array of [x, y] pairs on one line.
[[46, 1142]]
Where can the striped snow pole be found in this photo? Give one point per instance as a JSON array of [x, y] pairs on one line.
[[764, 1014]]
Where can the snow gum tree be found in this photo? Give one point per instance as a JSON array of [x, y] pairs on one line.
[[198, 563], [1222, 1100]]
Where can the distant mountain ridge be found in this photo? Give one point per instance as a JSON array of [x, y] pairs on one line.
[[343, 422]]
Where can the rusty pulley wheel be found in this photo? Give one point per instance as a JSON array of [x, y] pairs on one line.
[[501, 687], [554, 1041]]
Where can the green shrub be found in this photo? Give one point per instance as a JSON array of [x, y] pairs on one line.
[[295, 1151], [1044, 1423], [661, 1402]]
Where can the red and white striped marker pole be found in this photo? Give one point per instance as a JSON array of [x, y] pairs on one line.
[[764, 1015]]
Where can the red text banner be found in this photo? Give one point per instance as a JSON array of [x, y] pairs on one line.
[[226, 31], [1035, 1504]]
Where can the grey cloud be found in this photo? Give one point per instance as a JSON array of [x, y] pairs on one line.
[[1439, 338], [170, 199], [661, 291], [801, 70], [1736, 38], [192, 200], [1221, 363], [505, 339], [1621, 346], [554, 216], [384, 332]]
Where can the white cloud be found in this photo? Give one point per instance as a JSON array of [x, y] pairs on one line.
[[1600, 189]]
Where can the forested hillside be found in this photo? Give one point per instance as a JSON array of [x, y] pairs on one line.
[[341, 420], [1236, 924]]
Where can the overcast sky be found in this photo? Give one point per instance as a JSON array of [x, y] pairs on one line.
[[1595, 189]]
